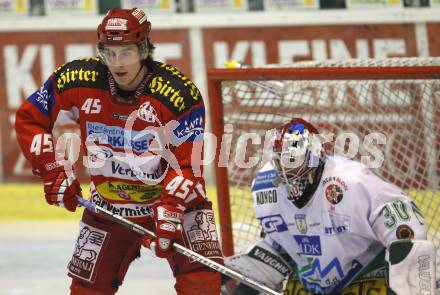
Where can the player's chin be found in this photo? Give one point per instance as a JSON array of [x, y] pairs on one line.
[[122, 80]]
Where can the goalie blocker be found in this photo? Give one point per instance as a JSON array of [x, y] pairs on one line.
[[410, 265], [262, 264]]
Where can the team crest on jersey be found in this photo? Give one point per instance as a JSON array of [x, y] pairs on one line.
[[147, 113], [301, 223], [334, 188]]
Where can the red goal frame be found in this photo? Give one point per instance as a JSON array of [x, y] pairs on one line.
[[216, 76]]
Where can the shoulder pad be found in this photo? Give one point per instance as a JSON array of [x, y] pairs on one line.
[[173, 89], [86, 72]]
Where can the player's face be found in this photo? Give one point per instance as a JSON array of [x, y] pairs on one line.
[[123, 62]]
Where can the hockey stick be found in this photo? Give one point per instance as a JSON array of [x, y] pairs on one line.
[[178, 248]]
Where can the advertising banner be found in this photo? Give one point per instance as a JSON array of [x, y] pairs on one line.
[[374, 4], [71, 6], [290, 4], [220, 5], [284, 45], [152, 6], [434, 40], [14, 7]]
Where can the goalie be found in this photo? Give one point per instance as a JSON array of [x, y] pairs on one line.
[[331, 226]]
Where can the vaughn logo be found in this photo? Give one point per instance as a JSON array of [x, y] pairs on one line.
[[270, 259], [87, 251]]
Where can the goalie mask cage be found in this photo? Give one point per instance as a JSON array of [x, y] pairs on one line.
[[397, 98]]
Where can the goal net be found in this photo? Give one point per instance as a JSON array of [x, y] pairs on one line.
[[372, 107]]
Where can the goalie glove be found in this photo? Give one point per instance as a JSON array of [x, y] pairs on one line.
[[169, 221], [60, 184]]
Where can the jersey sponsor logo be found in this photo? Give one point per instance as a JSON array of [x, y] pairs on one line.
[[191, 87], [273, 223], [174, 98], [43, 98], [71, 76], [147, 113], [190, 126], [116, 136], [120, 117], [301, 223], [266, 197], [124, 210], [87, 252], [363, 286], [270, 259], [404, 232], [119, 191], [330, 278], [121, 170], [310, 245], [334, 223], [103, 161], [264, 180]]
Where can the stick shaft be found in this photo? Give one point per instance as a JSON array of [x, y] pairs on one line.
[[178, 248]]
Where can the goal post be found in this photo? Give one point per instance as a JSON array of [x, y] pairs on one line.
[[397, 100]]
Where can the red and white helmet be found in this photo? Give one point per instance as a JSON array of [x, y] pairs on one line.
[[297, 150], [124, 26]]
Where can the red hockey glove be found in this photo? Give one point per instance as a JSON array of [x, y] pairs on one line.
[[60, 184], [169, 221]]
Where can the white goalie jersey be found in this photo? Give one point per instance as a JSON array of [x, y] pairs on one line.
[[351, 218]]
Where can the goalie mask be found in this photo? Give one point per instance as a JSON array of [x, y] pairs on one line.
[[297, 155]]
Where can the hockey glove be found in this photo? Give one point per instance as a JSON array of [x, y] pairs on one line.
[[60, 184], [169, 221]]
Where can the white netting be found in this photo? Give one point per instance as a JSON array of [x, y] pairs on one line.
[[406, 112]]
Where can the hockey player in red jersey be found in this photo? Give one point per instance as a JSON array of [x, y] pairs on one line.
[[141, 124]]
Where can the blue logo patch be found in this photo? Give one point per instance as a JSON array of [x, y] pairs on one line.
[[273, 223], [310, 245], [43, 97], [334, 223], [264, 180], [114, 136], [190, 126]]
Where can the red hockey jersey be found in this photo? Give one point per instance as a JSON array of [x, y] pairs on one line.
[[139, 152]]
